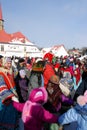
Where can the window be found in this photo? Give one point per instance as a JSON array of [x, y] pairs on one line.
[[2, 47], [24, 49]]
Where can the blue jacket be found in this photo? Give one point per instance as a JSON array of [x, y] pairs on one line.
[[78, 114]]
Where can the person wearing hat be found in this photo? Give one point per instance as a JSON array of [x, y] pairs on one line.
[[8, 63], [8, 115], [55, 95], [36, 76], [78, 114], [33, 114], [21, 63], [48, 72], [21, 82]]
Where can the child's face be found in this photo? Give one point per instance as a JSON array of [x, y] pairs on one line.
[[22, 73]]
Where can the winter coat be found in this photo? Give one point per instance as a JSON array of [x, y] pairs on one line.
[[22, 88], [35, 81], [33, 114], [81, 89], [78, 114], [39, 116], [64, 100], [48, 72]]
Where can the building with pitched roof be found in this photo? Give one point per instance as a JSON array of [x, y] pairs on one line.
[[16, 44], [57, 50]]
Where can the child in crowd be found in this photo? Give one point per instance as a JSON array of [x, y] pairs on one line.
[[33, 114], [21, 82], [77, 113]]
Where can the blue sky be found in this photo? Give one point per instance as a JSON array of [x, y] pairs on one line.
[[48, 22]]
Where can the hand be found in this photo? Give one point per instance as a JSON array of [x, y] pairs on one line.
[[60, 128], [14, 98], [15, 93]]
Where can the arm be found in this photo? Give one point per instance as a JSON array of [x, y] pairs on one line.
[[67, 100], [46, 116], [18, 106], [68, 117]]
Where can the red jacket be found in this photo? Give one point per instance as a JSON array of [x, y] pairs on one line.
[[48, 72]]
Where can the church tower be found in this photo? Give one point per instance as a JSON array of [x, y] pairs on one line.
[[1, 19]]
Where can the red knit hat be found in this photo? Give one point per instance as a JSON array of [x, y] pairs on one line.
[[48, 56]]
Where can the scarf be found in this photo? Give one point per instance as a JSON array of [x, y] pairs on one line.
[[6, 88]]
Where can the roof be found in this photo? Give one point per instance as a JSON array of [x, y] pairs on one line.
[[7, 38], [57, 47], [57, 50], [4, 37]]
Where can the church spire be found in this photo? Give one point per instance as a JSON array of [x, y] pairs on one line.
[[1, 19]]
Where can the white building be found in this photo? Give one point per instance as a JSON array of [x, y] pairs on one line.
[[16, 44], [57, 50]]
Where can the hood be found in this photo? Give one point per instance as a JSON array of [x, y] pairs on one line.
[[38, 95]]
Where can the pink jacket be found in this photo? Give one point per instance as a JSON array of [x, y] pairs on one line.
[[33, 113], [39, 116]]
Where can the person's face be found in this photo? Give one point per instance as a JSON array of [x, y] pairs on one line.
[[8, 65]]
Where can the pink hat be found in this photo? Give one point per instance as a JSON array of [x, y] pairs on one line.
[[38, 95], [82, 100]]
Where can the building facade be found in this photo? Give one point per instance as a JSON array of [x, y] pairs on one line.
[[16, 44]]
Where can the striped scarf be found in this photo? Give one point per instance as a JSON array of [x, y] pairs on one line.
[[6, 88]]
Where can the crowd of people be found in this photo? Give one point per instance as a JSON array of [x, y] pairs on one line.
[[43, 92]]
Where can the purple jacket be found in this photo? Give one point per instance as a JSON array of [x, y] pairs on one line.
[[66, 100]]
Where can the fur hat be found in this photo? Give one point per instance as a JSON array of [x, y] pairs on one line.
[[54, 79], [38, 95], [82, 99]]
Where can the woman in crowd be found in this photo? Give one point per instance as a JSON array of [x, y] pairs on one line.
[[8, 114], [36, 75], [21, 82]]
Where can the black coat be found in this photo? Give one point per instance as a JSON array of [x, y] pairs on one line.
[[22, 87], [81, 89]]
